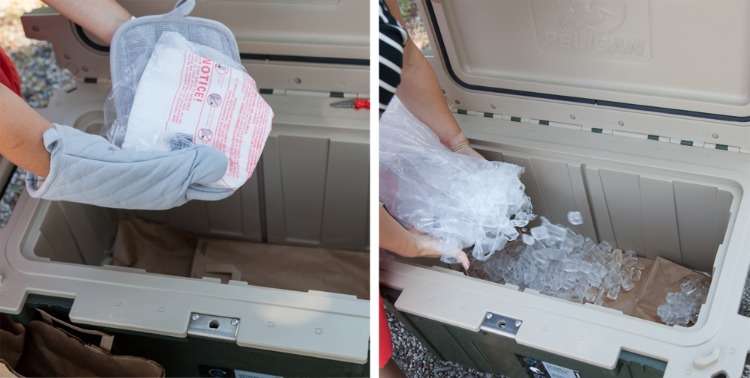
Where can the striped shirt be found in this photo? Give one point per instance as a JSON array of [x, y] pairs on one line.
[[393, 38]]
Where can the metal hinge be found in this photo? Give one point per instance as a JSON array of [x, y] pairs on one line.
[[521, 121], [310, 93], [213, 327], [500, 324]]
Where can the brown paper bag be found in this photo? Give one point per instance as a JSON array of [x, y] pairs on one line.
[[284, 267], [659, 278], [153, 247], [627, 300], [665, 277]]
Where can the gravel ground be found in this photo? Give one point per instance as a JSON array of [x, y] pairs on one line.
[[415, 360]]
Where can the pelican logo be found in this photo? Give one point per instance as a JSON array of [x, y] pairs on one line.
[[613, 28], [601, 16]]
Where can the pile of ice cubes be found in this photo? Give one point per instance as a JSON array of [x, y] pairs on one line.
[[556, 261], [682, 307]]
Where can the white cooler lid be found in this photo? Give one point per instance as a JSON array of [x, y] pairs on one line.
[[686, 57]]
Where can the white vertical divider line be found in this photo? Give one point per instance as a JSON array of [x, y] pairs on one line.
[[374, 195]]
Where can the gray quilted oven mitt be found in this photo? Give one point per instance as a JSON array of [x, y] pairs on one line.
[[87, 168]]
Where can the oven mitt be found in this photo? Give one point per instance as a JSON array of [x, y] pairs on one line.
[[88, 169]]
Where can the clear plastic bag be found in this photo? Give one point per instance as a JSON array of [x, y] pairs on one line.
[[178, 81], [460, 200]]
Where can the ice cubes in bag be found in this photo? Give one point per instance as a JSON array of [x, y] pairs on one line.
[[459, 200]]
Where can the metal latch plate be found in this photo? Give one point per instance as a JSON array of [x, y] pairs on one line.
[[213, 327], [500, 324]]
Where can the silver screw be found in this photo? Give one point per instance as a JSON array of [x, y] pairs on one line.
[[518, 323], [297, 80], [715, 136], [318, 331], [572, 116], [235, 322], [195, 317], [493, 107], [489, 316], [621, 123]]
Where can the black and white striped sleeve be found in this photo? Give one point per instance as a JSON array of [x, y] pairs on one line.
[[393, 38]]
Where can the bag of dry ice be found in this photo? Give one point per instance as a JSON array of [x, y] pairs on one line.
[[189, 94]]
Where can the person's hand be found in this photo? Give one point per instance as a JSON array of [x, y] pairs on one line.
[[460, 144], [429, 247], [86, 168], [468, 151]]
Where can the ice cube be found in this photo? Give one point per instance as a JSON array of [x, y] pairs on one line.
[[567, 265], [575, 218], [683, 307], [540, 232], [627, 283], [557, 233], [637, 274], [527, 239]]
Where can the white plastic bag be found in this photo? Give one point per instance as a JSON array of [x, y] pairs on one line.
[[458, 199], [189, 94]]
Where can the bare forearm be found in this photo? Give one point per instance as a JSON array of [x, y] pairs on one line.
[[21, 130], [394, 237], [99, 17], [421, 93]]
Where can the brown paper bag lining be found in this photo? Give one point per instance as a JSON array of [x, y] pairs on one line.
[[154, 248], [159, 249], [659, 278], [284, 267]]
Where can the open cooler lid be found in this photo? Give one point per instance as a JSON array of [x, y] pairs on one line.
[[686, 57], [301, 36]]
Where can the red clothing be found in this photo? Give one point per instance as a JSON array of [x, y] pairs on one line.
[[8, 74], [386, 346]]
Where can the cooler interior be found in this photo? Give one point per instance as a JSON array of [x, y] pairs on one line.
[[657, 213], [292, 226]]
